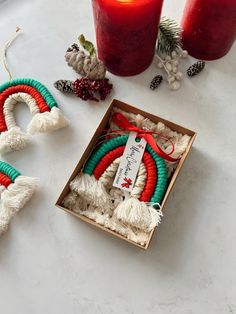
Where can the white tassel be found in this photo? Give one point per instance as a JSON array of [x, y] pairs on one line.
[[138, 214], [156, 216], [13, 139], [14, 198], [47, 121], [92, 190], [82, 184]]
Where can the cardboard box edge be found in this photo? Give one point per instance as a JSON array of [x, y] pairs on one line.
[[87, 151]]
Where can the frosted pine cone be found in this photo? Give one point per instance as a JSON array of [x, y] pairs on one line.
[[73, 47], [87, 66], [94, 68], [64, 86], [196, 68], [156, 81], [75, 59]]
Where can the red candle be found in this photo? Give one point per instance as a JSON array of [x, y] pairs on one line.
[[209, 28], [126, 32]]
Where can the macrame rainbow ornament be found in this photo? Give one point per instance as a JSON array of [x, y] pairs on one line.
[[16, 190], [143, 212], [46, 116]]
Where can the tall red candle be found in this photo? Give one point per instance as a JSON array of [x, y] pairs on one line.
[[209, 28], [126, 32]]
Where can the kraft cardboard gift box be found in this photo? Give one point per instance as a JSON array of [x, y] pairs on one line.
[[100, 130]]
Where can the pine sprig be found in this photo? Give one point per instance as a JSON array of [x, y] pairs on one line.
[[169, 36]]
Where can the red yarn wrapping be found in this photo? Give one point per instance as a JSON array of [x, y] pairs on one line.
[[43, 106], [4, 180], [151, 178], [105, 162], [148, 161]]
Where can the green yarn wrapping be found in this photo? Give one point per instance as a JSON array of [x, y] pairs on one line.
[[120, 141], [8, 170], [102, 151], [161, 176], [51, 102]]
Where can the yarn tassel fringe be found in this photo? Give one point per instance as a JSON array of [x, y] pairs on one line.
[[47, 121], [14, 197], [138, 214], [12, 140], [92, 190]]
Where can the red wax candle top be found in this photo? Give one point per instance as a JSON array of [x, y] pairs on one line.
[[126, 32], [209, 27], [125, 3]]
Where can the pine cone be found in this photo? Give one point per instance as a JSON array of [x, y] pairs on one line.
[[94, 69], [156, 81], [196, 68], [75, 59], [73, 47], [64, 86], [87, 66]]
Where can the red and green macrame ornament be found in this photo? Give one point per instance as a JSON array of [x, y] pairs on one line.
[[46, 116], [16, 190], [155, 167], [142, 213]]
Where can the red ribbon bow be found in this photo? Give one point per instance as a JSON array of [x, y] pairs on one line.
[[124, 124]]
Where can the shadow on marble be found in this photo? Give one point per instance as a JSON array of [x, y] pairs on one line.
[[182, 213]]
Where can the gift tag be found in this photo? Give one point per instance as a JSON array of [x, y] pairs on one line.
[[130, 163]]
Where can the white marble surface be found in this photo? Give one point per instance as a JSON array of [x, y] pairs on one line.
[[51, 262]]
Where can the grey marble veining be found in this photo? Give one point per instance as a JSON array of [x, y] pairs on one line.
[[51, 262]]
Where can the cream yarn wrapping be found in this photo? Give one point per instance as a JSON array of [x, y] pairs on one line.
[[14, 139], [109, 174], [11, 101]]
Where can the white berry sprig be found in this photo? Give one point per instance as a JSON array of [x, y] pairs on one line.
[[170, 64]]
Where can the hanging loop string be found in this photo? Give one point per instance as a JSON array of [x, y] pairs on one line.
[[7, 45], [124, 124]]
